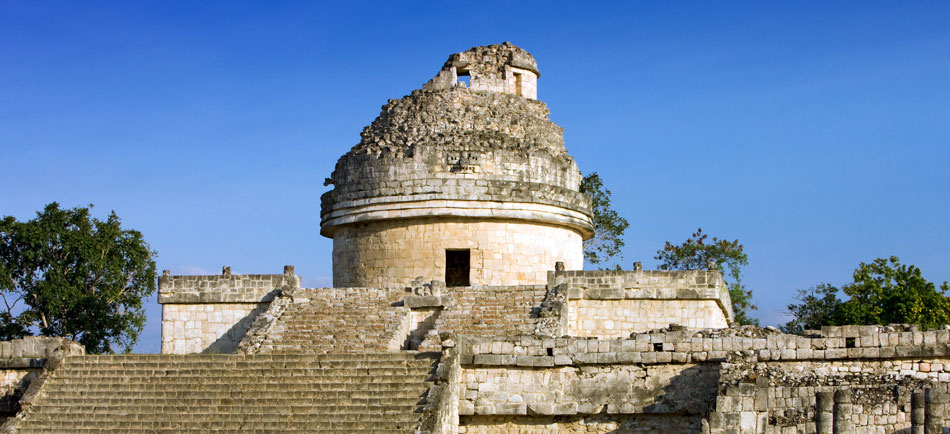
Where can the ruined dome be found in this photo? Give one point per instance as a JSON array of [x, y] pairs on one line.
[[463, 181], [486, 149]]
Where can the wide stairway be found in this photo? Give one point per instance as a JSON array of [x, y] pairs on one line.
[[338, 320], [265, 393]]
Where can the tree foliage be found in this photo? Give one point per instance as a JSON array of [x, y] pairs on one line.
[[884, 291], [818, 307], [608, 225], [699, 252], [67, 274]]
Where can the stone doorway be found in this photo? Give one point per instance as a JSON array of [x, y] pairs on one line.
[[457, 267]]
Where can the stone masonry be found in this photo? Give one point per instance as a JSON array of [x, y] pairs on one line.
[[460, 306], [212, 313], [451, 168]]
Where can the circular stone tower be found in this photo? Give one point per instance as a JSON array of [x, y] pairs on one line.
[[466, 181]]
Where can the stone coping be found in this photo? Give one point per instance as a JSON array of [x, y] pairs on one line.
[[645, 285], [697, 346], [224, 288], [19, 352]]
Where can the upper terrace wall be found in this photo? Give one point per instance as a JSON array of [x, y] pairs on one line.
[[212, 313], [613, 304]]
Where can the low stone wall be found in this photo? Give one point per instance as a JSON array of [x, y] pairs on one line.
[[213, 313], [599, 423], [587, 390], [614, 304], [742, 380]]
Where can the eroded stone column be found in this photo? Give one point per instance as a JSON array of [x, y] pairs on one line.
[[934, 411], [824, 412], [842, 412], [917, 412]]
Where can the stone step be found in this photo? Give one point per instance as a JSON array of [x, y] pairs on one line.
[[104, 411], [371, 392], [298, 372]]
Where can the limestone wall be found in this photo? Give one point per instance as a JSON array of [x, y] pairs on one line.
[[783, 397], [571, 390], [392, 253], [213, 313], [21, 361], [614, 304], [599, 423], [740, 380], [618, 318], [213, 327]]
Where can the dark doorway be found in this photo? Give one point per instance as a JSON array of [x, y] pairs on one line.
[[457, 266]]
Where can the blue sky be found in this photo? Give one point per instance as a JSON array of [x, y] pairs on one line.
[[817, 133]]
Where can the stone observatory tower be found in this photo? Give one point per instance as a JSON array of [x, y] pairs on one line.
[[466, 182]]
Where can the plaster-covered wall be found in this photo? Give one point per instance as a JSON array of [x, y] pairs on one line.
[[391, 253]]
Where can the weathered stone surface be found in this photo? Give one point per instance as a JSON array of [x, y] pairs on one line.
[[450, 167]]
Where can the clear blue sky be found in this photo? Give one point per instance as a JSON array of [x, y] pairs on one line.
[[818, 134]]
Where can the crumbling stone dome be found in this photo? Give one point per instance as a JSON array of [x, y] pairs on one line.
[[451, 168]]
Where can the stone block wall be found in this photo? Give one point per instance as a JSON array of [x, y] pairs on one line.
[[391, 253], [740, 380], [614, 304], [619, 318], [599, 423], [213, 313]]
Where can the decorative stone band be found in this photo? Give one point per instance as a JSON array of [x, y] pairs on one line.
[[224, 288], [645, 285], [695, 346], [463, 187], [393, 208]]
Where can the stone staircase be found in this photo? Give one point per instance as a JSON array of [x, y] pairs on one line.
[[487, 311], [263, 393], [339, 320]]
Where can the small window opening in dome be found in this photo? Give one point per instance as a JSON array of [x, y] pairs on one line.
[[464, 79], [457, 267], [518, 85]]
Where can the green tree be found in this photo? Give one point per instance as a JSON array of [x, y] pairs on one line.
[[699, 252], [608, 225], [884, 291], [887, 292], [819, 306], [67, 274]]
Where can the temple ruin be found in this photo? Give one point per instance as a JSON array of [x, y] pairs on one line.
[[460, 305]]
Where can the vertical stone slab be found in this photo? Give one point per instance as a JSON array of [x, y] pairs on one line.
[[935, 408], [824, 412], [917, 413], [842, 412]]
